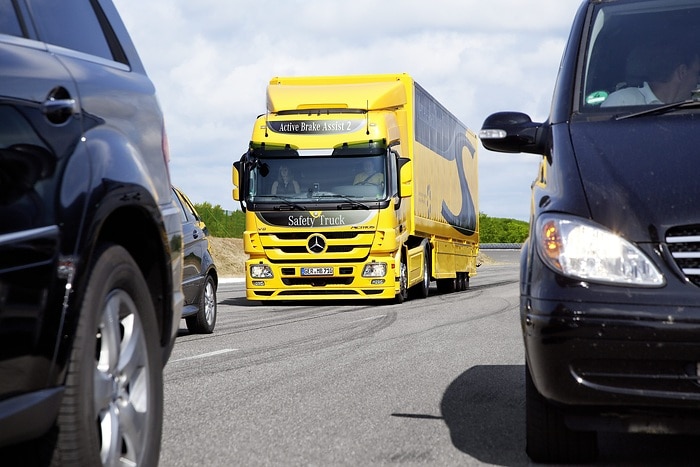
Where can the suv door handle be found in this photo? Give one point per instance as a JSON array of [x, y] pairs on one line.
[[59, 106]]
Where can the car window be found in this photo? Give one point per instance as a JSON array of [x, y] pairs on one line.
[[634, 48], [67, 23], [189, 207], [9, 24], [178, 202]]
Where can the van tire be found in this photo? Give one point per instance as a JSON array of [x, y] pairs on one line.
[[548, 439]]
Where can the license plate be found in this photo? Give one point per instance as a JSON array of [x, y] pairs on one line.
[[316, 271]]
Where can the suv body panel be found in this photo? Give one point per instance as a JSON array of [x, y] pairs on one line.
[[75, 174]]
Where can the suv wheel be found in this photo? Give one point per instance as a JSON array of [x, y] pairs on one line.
[[548, 438], [113, 405], [205, 319]]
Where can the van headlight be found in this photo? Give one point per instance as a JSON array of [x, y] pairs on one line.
[[583, 250]]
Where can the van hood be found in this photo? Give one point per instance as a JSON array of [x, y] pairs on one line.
[[640, 176]]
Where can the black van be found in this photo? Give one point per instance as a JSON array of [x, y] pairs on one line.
[[610, 273]]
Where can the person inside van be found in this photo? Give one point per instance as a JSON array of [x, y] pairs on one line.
[[670, 75], [285, 183]]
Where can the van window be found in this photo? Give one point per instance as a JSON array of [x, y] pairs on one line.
[[632, 46], [67, 23], [9, 24]]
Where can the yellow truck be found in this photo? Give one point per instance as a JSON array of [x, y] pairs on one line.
[[357, 187]]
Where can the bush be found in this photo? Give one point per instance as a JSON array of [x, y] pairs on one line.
[[231, 224], [222, 223], [499, 230]]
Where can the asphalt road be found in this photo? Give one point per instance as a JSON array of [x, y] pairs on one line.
[[438, 381]]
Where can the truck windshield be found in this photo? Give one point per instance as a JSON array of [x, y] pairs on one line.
[[641, 53], [319, 179]]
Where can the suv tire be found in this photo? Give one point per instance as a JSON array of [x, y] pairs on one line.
[[113, 404]]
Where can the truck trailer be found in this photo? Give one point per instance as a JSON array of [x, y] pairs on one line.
[[357, 187]]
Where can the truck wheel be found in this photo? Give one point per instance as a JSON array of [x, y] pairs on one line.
[[422, 289], [205, 319], [462, 281], [445, 285], [112, 410], [548, 439], [402, 296]]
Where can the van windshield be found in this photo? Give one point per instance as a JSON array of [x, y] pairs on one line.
[[641, 54]]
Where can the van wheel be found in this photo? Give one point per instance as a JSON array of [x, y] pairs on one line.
[[422, 289], [548, 439], [112, 410], [402, 296], [205, 319]]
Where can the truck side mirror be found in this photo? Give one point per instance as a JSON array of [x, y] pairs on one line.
[[405, 177], [236, 179]]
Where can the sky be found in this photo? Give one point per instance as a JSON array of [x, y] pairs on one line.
[[211, 61]]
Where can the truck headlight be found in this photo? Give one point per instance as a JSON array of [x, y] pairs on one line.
[[583, 250], [260, 271], [374, 270]]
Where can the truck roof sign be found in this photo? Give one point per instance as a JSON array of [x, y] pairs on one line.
[[315, 127]]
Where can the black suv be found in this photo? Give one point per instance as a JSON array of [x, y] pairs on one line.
[[90, 239], [610, 274]]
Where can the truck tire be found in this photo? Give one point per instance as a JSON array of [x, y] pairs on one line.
[[548, 439], [422, 289], [402, 296], [462, 281], [446, 285], [205, 319], [113, 402]]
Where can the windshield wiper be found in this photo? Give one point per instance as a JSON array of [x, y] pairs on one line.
[[288, 205], [351, 203], [666, 108]]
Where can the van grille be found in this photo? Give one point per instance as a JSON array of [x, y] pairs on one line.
[[684, 244]]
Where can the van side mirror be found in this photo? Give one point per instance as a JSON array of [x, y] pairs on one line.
[[512, 132]]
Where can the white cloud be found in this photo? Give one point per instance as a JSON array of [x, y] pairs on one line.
[[211, 61]]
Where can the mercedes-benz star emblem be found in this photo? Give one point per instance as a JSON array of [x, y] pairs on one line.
[[316, 244]]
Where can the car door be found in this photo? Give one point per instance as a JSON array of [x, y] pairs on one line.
[[39, 131], [195, 244]]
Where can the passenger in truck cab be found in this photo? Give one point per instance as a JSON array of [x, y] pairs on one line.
[[285, 183], [669, 73], [370, 174]]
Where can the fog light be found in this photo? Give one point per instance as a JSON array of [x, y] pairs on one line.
[[260, 271], [377, 281], [258, 283], [374, 270]]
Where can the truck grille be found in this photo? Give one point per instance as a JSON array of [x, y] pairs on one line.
[[684, 244]]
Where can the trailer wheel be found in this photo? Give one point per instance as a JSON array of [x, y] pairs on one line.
[[462, 281], [446, 285], [402, 296]]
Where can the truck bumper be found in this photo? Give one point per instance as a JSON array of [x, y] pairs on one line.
[[346, 282]]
